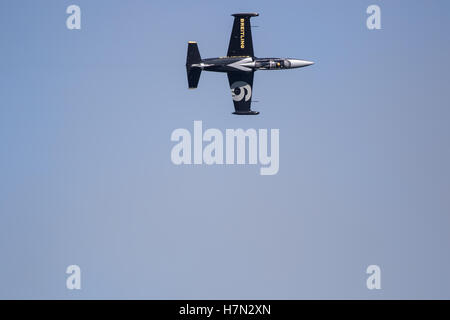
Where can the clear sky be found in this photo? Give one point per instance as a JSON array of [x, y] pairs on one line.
[[86, 177]]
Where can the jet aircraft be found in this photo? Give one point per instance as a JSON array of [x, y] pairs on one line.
[[240, 64]]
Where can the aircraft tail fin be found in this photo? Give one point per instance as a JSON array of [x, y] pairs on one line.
[[193, 58]]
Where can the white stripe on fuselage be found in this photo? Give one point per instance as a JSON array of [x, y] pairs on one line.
[[201, 65], [243, 65]]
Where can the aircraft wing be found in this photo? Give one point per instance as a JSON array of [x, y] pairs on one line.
[[241, 85], [241, 43]]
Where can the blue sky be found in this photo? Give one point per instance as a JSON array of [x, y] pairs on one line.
[[86, 177]]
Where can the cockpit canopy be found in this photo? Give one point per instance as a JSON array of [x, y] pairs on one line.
[[273, 63]]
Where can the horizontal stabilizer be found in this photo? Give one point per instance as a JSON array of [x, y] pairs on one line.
[[193, 57], [193, 54], [193, 75]]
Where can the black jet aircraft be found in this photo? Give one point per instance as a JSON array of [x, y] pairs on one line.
[[240, 64]]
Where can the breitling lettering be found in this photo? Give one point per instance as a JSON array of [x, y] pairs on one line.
[[242, 33], [235, 139]]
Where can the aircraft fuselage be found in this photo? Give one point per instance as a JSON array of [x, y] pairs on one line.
[[249, 64]]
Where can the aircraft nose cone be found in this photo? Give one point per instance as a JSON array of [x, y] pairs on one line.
[[296, 63]]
